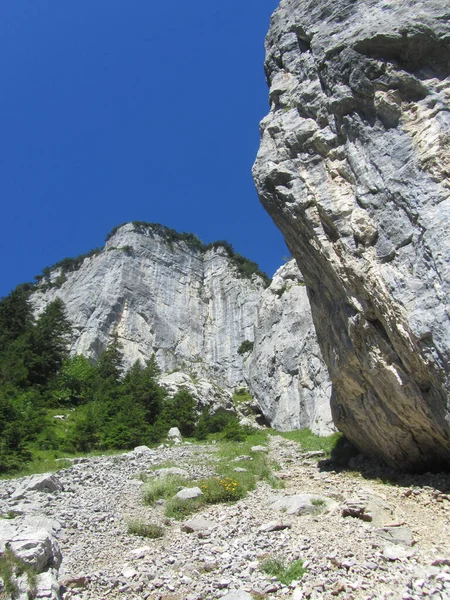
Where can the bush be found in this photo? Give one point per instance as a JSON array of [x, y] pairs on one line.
[[221, 489], [143, 529], [234, 431], [285, 573], [162, 487], [179, 411], [208, 423], [246, 346]]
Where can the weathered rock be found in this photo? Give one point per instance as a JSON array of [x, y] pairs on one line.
[[193, 309], [239, 595], [197, 524], [354, 169], [33, 539], [174, 435], [274, 526], [302, 504], [171, 471], [47, 482], [47, 586], [206, 393], [396, 535], [286, 372], [259, 449], [396, 553], [368, 507], [189, 493], [189, 306]]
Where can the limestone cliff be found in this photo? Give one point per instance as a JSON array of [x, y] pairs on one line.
[[192, 307], [354, 168], [189, 307], [286, 372]]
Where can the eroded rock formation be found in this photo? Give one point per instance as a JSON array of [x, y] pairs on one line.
[[354, 168], [286, 371], [192, 307]]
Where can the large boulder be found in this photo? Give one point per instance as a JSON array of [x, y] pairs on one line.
[[354, 169]]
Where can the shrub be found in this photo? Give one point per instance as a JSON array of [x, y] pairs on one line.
[[178, 509], [143, 529], [222, 489], [234, 431], [285, 573], [179, 411], [162, 487], [246, 346], [208, 423], [11, 566]]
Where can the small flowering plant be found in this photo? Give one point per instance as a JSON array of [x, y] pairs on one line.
[[221, 489]]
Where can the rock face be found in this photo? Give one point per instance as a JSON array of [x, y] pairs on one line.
[[354, 169], [193, 309], [286, 371]]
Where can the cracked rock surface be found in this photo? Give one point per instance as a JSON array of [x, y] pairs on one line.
[[193, 309], [354, 167]]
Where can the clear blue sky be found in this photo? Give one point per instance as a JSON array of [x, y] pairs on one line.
[[122, 110]]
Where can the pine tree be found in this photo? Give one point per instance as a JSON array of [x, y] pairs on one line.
[[49, 343]]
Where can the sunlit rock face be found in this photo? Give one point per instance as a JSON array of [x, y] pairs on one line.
[[286, 371], [193, 309], [354, 168], [190, 308]]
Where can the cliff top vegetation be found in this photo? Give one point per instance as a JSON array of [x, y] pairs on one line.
[[244, 266]]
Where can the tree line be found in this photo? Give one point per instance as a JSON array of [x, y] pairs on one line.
[[108, 408]]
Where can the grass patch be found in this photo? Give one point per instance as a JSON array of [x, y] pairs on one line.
[[318, 502], [11, 566], [11, 514], [241, 395], [162, 487], [311, 442], [179, 509], [143, 529], [43, 462], [222, 489], [286, 573]]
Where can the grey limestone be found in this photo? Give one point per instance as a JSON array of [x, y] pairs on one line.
[[353, 167]]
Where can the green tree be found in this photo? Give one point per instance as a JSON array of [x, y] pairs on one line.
[[106, 386], [49, 343], [75, 381], [179, 411], [141, 386]]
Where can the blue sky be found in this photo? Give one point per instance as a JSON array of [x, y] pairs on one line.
[[122, 110]]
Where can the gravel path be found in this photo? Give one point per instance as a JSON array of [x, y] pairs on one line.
[[344, 557]]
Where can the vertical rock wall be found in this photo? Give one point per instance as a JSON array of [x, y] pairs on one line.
[[354, 168], [286, 371], [190, 308], [193, 309]]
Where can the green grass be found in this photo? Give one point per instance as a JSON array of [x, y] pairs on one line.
[[311, 442], [286, 573], [318, 502], [143, 529], [162, 487], [222, 489], [10, 514], [241, 395], [12, 566], [179, 509]]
